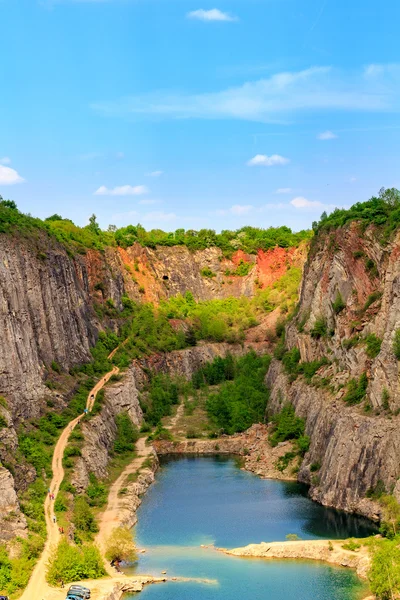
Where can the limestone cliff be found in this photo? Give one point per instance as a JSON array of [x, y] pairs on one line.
[[350, 289]]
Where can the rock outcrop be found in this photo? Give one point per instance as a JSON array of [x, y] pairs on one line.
[[13, 521], [351, 286]]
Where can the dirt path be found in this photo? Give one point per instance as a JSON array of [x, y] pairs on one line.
[[37, 588], [113, 515]]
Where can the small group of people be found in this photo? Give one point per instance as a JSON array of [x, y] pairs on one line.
[[51, 496], [61, 530]]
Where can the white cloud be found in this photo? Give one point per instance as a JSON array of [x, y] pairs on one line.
[[90, 156], [263, 160], [5, 160], [9, 176], [211, 15], [353, 179], [122, 190], [301, 202], [327, 135], [237, 210], [284, 191], [273, 99], [120, 155], [154, 174]]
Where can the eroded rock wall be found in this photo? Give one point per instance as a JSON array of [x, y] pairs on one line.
[[355, 446]]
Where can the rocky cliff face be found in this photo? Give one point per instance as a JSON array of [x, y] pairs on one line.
[[356, 447], [47, 300]]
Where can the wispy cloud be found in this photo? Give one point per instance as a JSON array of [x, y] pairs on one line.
[[5, 160], [90, 156], [237, 210], [327, 135], [283, 191], [273, 99], [9, 176], [122, 190], [262, 160], [210, 15], [155, 174], [301, 202]]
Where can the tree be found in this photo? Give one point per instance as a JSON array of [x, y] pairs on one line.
[[8, 203], [384, 575], [120, 546], [93, 224], [112, 228]]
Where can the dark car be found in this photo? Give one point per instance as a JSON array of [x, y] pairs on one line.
[[73, 597], [79, 591], [3, 597]]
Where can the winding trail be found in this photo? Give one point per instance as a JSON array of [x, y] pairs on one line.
[[37, 588], [113, 515]]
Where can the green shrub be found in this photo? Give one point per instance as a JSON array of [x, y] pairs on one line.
[[287, 426], [385, 397], [120, 546], [356, 390], [70, 563], [284, 461], [384, 574], [320, 328], [315, 467], [83, 517], [372, 298], [339, 304], [3, 422], [127, 434], [96, 491], [396, 344], [207, 272], [55, 367], [351, 545], [373, 345]]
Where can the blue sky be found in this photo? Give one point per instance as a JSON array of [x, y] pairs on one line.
[[197, 113]]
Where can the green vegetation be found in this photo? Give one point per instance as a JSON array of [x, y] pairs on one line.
[[339, 304], [79, 239], [127, 434], [241, 270], [382, 211], [320, 328], [206, 272], [396, 344], [384, 575], [15, 572], [159, 397], [287, 426], [242, 401], [72, 563], [356, 390], [351, 545], [371, 299], [120, 546], [373, 345], [294, 368]]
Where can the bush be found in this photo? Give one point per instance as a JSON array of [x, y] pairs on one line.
[[339, 304], [351, 545], [356, 390], [396, 344], [373, 345], [71, 563], [287, 426], [206, 272], [127, 434], [120, 546], [83, 517], [320, 328], [372, 298], [384, 574], [315, 467]]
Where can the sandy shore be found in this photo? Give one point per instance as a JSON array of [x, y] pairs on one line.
[[329, 551]]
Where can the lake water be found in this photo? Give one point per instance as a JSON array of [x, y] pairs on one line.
[[209, 500]]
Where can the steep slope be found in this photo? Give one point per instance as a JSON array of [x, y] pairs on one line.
[[350, 290]]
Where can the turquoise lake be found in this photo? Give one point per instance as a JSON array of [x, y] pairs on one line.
[[209, 500]]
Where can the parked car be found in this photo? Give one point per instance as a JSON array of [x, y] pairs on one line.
[[3, 597], [80, 591], [73, 597]]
